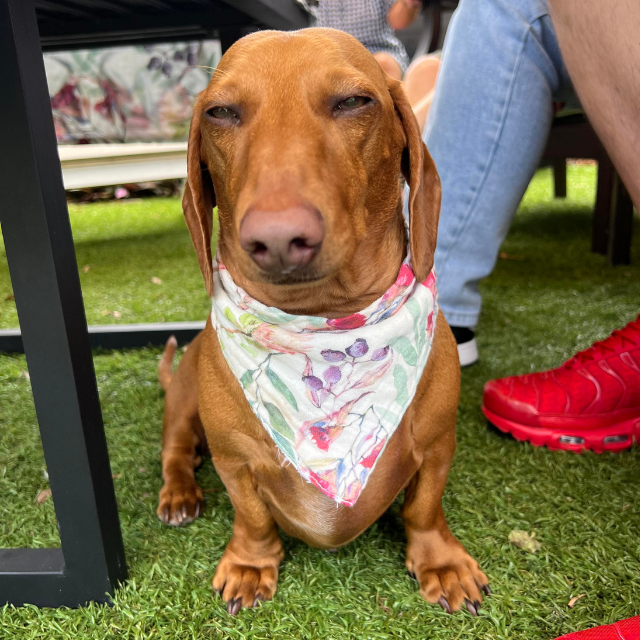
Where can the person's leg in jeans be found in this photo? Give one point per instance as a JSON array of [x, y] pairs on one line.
[[501, 71]]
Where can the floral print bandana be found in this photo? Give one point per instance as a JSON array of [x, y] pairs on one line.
[[330, 392]]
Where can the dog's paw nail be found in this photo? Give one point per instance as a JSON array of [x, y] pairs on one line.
[[234, 605], [487, 589], [411, 574], [259, 599], [443, 602], [470, 607], [476, 604]]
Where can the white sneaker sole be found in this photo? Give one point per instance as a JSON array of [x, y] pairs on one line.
[[468, 353]]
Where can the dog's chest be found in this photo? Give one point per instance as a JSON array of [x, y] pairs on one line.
[[305, 513]]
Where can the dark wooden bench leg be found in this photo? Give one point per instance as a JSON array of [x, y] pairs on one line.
[[560, 178], [620, 224], [602, 211]]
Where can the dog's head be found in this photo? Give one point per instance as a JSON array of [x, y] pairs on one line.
[[301, 140]]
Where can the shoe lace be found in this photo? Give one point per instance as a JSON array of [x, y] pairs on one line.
[[628, 334]]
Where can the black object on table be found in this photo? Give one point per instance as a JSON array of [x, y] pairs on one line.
[[44, 273]]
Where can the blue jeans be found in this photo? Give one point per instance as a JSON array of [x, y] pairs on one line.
[[501, 72]]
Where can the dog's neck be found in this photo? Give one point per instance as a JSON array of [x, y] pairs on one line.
[[373, 269]]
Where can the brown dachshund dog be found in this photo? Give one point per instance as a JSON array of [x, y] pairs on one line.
[[302, 141]]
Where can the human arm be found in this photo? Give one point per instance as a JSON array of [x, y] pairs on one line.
[[403, 12]]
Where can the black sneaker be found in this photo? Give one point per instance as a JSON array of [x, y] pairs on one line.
[[467, 347]]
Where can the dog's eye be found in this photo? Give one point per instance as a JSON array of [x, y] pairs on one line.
[[352, 103], [222, 113]]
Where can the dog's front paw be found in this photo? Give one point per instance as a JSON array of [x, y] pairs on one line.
[[246, 586], [180, 503], [452, 579]]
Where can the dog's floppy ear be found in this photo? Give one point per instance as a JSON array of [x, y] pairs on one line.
[[425, 193], [199, 200]]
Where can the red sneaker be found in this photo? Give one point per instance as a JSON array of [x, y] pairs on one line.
[[624, 630], [591, 402]]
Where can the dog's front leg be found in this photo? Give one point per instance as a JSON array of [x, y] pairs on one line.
[[248, 570], [447, 574]]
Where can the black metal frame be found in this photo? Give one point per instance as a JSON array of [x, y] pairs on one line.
[[68, 24], [119, 336], [46, 285]]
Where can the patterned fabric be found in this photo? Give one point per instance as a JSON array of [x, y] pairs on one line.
[[128, 94], [330, 393], [365, 20]]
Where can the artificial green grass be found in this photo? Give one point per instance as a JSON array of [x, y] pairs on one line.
[[122, 245], [550, 297]]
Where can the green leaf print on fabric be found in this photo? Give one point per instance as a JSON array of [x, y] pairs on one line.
[[388, 415], [229, 316], [316, 322], [249, 321], [255, 345], [278, 423], [249, 349], [422, 331], [283, 444], [276, 381], [414, 308], [400, 380], [246, 379], [405, 348], [274, 316]]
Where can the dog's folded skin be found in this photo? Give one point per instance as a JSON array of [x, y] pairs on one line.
[[300, 140]]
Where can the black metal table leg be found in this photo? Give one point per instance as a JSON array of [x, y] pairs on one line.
[[46, 285]]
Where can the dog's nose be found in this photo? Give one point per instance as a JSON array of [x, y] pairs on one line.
[[282, 241]]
